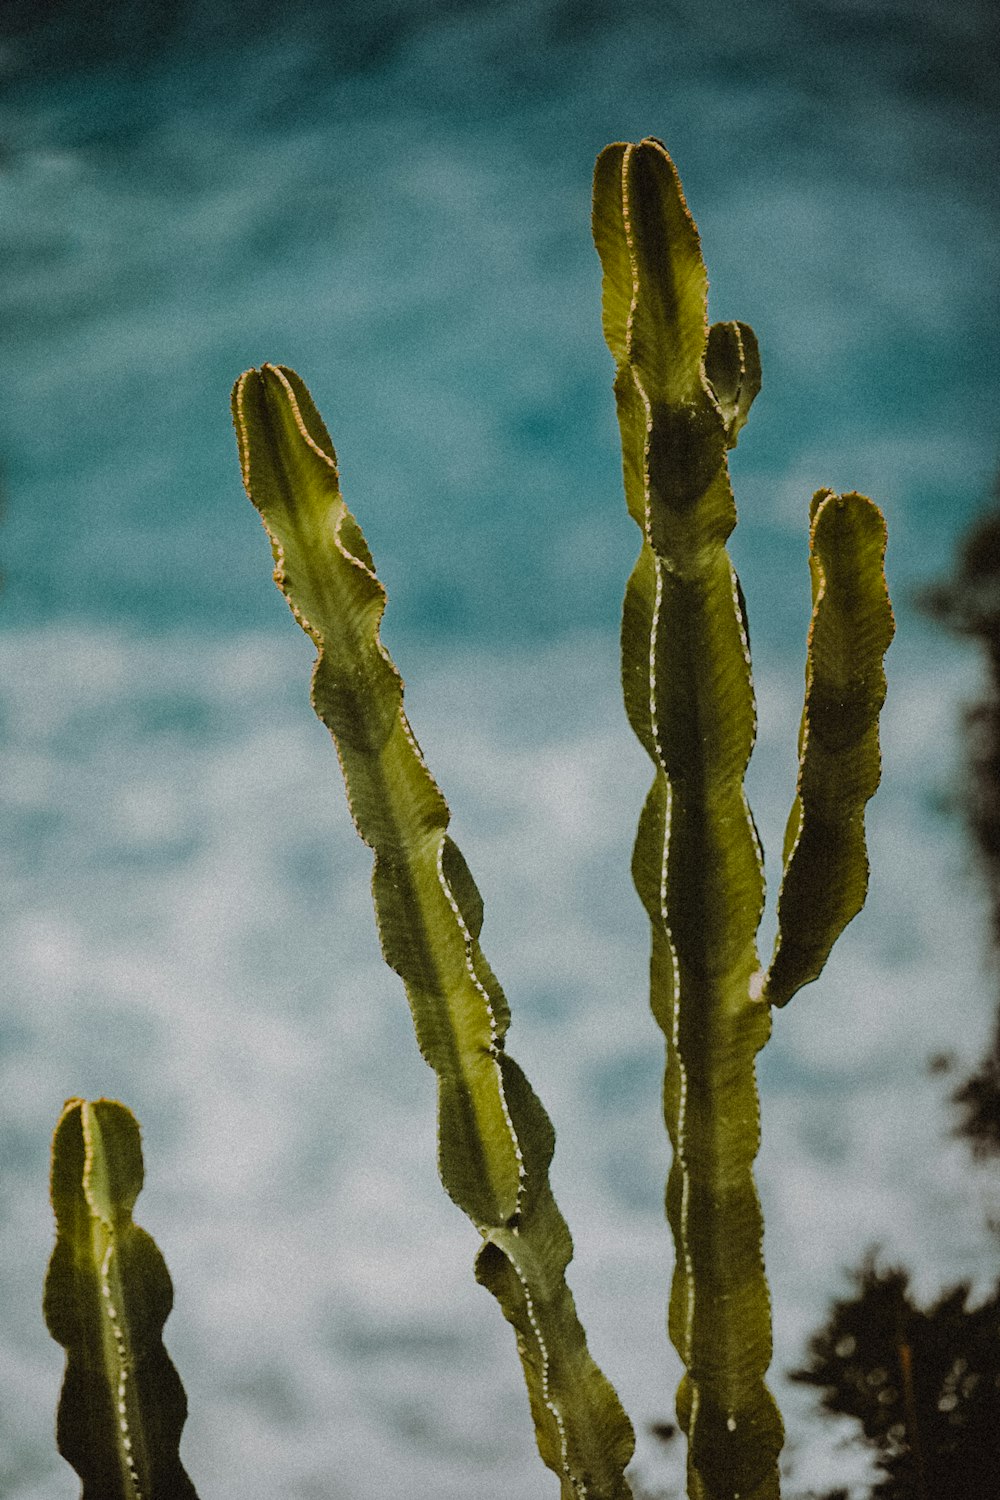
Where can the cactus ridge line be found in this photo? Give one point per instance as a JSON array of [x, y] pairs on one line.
[[577, 1485], [658, 565], [124, 1434], [496, 1041]]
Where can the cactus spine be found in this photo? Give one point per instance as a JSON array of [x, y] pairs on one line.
[[683, 392]]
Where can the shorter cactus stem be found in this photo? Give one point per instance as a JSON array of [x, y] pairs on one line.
[[107, 1296]]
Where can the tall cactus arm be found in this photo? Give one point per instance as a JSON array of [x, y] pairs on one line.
[[107, 1296], [826, 861], [682, 394], [494, 1139]]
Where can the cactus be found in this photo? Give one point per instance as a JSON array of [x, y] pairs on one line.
[[107, 1296], [683, 392], [495, 1141]]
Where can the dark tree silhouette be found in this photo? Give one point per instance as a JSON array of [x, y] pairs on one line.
[[924, 1384], [969, 604]]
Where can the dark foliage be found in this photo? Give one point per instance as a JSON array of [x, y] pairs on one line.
[[923, 1383], [969, 604]]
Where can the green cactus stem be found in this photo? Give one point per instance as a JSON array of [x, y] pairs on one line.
[[107, 1296], [683, 392], [494, 1138], [826, 862]]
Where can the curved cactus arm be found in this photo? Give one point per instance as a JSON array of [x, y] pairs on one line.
[[682, 396], [494, 1139], [826, 862], [732, 365], [107, 1296]]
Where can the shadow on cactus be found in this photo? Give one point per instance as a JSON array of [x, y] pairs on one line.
[[684, 392]]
